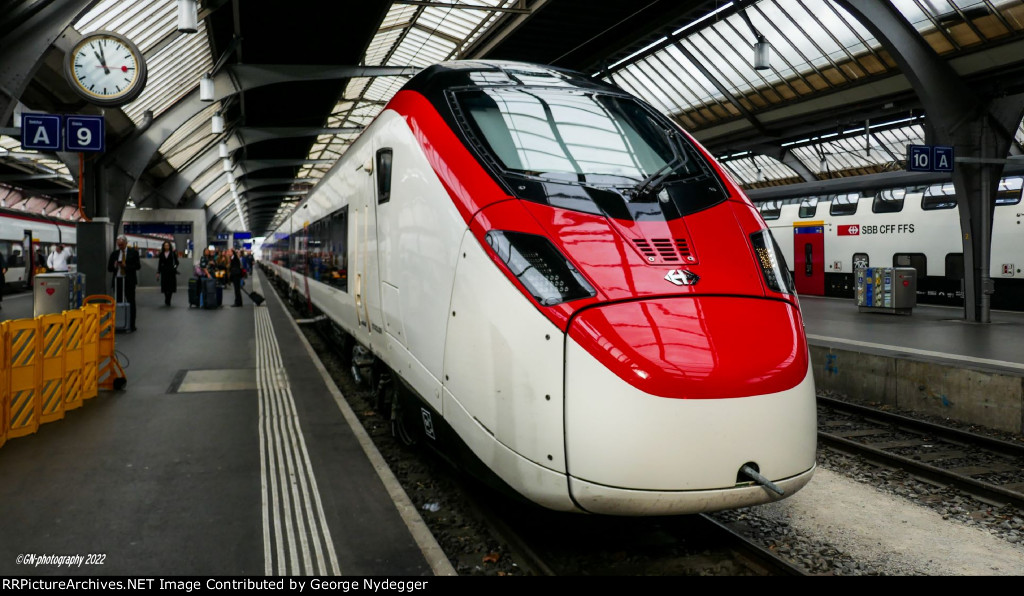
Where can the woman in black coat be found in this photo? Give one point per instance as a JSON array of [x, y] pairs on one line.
[[167, 271]]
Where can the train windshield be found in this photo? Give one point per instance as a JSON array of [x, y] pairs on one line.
[[570, 135]]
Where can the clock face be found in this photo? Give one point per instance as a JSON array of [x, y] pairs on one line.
[[106, 69]]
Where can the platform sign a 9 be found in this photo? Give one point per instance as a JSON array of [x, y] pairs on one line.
[[84, 133]]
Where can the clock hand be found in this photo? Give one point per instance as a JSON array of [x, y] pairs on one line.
[[103, 63], [103, 59]]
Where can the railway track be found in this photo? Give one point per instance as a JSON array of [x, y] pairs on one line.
[[985, 467], [550, 544]]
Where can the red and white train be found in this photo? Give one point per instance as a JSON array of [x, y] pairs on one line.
[[556, 279], [45, 233]]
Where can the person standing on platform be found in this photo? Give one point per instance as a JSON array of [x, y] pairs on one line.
[[58, 260], [167, 271], [124, 263], [235, 275]]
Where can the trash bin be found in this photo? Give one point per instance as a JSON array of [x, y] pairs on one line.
[[56, 292]]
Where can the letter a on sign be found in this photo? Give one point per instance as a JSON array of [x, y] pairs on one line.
[[41, 137]]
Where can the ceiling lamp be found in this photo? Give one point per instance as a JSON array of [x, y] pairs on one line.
[[762, 56], [217, 123], [223, 148], [206, 89], [188, 16]]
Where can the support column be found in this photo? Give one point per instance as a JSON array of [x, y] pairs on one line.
[[95, 243], [977, 127]]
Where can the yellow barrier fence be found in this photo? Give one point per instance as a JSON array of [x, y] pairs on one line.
[[52, 363], [5, 388], [22, 340], [51, 382], [74, 353]]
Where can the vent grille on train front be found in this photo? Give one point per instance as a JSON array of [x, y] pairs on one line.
[[668, 250]]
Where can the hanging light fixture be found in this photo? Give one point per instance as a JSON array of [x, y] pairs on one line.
[[206, 89], [217, 123], [223, 148], [762, 55], [227, 165], [188, 16]]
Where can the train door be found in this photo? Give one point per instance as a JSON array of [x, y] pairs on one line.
[[366, 273], [30, 258], [809, 258]]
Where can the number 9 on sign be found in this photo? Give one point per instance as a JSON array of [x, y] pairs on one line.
[[84, 133]]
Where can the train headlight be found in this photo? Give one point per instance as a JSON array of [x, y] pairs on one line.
[[540, 267], [773, 265]]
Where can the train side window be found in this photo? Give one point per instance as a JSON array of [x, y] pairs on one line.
[[889, 201], [383, 175], [771, 210], [844, 204], [861, 260], [808, 207], [339, 249], [939, 196], [916, 260], [1009, 192], [955, 265]]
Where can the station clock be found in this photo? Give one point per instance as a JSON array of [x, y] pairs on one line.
[[106, 69]]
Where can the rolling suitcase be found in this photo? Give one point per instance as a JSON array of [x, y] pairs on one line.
[[122, 310], [193, 293], [255, 296], [211, 294]]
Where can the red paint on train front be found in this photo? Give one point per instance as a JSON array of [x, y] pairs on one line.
[[698, 347]]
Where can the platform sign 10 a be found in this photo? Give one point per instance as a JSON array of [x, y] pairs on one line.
[[929, 158]]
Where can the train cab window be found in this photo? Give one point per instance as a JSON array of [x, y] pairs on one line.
[[808, 207], [916, 260], [889, 201], [844, 204], [771, 210], [955, 265], [939, 196], [383, 175], [1009, 192]]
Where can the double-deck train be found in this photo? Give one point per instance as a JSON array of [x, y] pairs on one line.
[[563, 291], [45, 233], [826, 238]]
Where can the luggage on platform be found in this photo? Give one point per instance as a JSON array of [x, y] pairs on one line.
[[255, 296], [212, 294], [193, 293], [122, 309]]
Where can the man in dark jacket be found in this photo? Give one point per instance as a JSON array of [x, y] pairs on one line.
[[235, 275], [124, 263]]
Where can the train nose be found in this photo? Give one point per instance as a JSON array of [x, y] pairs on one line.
[[701, 347], [673, 397]]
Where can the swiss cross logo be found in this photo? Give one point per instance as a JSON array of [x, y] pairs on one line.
[[849, 230]]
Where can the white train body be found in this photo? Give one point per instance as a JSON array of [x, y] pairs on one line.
[[45, 234], [642, 397], [905, 234]]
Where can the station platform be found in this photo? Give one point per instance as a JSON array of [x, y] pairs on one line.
[[931, 361], [229, 453]]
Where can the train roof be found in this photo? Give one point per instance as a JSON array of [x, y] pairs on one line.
[[487, 73]]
